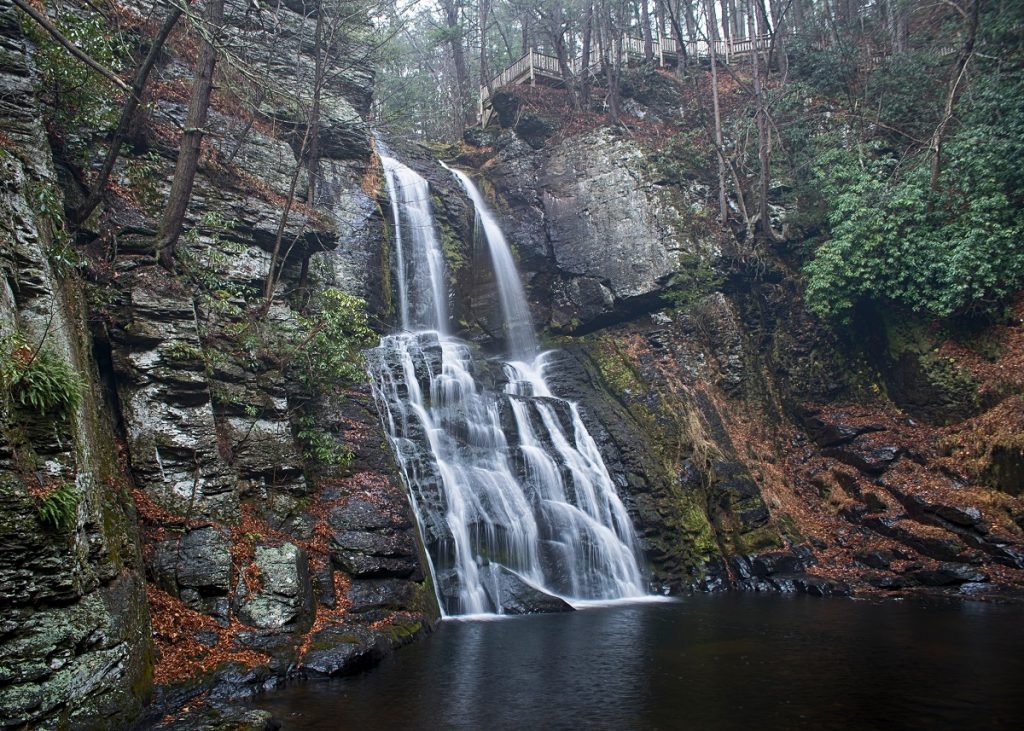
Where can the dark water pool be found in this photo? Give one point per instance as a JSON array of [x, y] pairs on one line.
[[724, 662]]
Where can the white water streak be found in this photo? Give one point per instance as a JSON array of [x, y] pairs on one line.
[[500, 478]]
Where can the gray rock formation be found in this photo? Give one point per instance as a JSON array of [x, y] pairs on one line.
[[285, 596], [599, 239], [232, 495], [74, 636]]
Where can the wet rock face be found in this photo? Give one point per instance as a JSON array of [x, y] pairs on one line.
[[232, 509], [514, 596], [598, 239], [167, 405], [690, 519], [372, 543], [74, 630], [197, 568]]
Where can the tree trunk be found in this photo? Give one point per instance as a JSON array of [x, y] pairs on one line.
[[897, 21], [585, 75], [558, 41], [673, 10], [758, 28], [131, 104], [719, 144], [691, 19], [935, 147], [451, 19], [485, 74], [645, 23], [191, 140], [307, 138], [526, 37], [691, 24], [313, 126]]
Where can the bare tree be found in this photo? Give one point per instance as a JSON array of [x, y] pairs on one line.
[[191, 138], [131, 105], [970, 12], [719, 143], [451, 11]]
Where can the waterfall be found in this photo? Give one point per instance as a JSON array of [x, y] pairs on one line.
[[522, 342], [514, 502], [421, 268]]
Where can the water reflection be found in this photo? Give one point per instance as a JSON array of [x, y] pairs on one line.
[[704, 663]]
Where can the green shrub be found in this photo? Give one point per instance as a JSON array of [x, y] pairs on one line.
[[331, 341], [694, 280], [79, 98], [942, 248], [942, 253], [321, 446]]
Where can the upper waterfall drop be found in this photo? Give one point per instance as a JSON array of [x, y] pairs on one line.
[[522, 341], [424, 304], [514, 503]]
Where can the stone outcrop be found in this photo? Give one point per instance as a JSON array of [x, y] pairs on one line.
[[598, 238], [74, 633]]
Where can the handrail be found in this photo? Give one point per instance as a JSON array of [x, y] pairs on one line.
[[534, 62]]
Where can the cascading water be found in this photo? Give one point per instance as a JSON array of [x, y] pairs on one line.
[[509, 487], [522, 342]]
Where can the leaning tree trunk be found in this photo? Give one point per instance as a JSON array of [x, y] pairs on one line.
[[191, 139], [131, 104], [485, 74], [451, 17], [757, 29], [959, 70], [645, 22], [585, 76]]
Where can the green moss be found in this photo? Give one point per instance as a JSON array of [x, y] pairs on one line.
[[659, 425], [385, 268], [760, 539], [943, 373], [693, 525], [936, 383], [399, 630], [694, 279], [143, 683], [787, 527], [181, 350], [452, 246]]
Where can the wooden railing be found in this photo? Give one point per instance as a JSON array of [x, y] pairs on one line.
[[534, 63]]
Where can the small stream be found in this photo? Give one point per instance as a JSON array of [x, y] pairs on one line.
[[705, 662]]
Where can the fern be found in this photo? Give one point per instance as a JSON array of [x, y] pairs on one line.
[[41, 380], [58, 509]]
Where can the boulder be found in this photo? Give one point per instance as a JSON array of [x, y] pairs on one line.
[[197, 568], [949, 574], [342, 650], [510, 594], [285, 595]]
